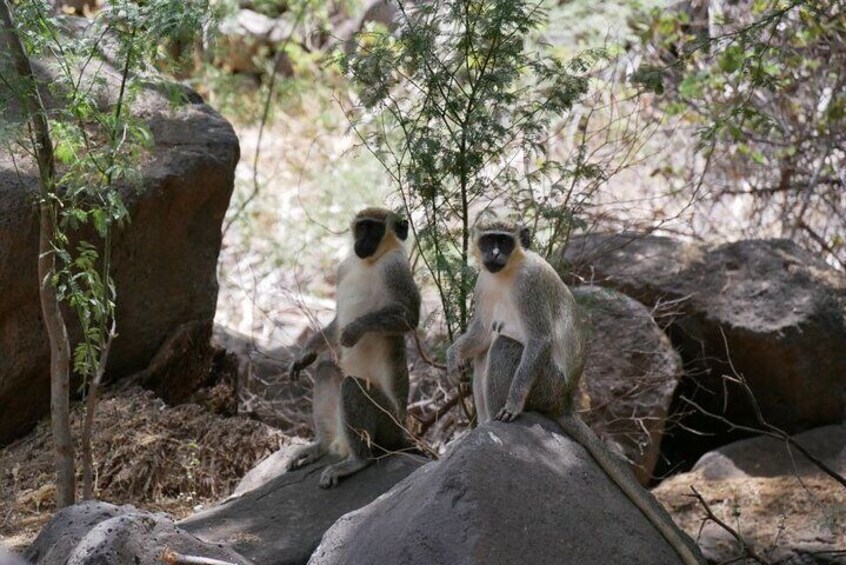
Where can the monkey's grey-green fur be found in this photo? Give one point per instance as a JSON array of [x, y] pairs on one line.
[[359, 405], [528, 349], [503, 359]]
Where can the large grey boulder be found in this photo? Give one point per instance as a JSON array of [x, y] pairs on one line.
[[631, 374], [771, 457], [646, 267], [164, 260], [765, 309], [280, 521], [99, 533], [521, 492]]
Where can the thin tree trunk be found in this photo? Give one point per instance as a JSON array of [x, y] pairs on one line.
[[59, 365], [54, 322]]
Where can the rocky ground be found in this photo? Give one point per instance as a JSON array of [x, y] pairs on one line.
[[805, 514]]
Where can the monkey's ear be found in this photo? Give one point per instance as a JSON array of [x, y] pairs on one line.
[[526, 238], [401, 228]]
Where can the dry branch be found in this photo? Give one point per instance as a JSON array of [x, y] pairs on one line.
[[424, 355], [745, 547], [88, 426], [431, 419], [765, 428]]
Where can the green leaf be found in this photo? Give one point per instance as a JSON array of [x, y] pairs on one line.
[[650, 77], [691, 87], [732, 58]]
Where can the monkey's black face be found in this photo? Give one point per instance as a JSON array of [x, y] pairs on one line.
[[495, 249], [368, 235]]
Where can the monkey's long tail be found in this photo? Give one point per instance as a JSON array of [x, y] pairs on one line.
[[643, 499]]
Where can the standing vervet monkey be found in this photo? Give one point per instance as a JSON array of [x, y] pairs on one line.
[[359, 404], [528, 350]]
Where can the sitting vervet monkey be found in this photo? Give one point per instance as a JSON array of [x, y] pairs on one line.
[[528, 350], [359, 405]]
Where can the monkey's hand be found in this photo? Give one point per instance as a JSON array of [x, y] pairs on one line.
[[305, 359], [350, 335], [509, 412]]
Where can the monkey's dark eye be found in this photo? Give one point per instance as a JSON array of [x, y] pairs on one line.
[[364, 226], [368, 234]]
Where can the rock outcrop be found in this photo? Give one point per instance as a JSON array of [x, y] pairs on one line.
[[264, 390], [631, 374], [280, 521], [772, 457], [92, 533], [164, 260], [506, 493], [248, 37], [645, 267], [764, 309], [783, 506]]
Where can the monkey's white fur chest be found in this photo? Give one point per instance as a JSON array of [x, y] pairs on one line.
[[499, 311], [362, 291]]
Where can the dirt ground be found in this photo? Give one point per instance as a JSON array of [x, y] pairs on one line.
[[156, 457], [773, 514]]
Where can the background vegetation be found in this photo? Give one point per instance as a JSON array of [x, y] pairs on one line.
[[672, 120]]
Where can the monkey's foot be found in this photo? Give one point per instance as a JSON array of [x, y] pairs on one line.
[[333, 473], [506, 415], [305, 455], [328, 478]]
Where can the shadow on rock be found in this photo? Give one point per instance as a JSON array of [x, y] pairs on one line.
[[279, 517]]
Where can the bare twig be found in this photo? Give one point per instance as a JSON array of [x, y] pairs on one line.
[[431, 419], [424, 355], [88, 426], [422, 445], [747, 549], [277, 57], [465, 390], [776, 433], [766, 428]]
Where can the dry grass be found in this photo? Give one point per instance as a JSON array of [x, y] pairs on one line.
[[146, 453]]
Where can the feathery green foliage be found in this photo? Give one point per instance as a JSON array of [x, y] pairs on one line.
[[98, 143], [765, 82], [457, 105]]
